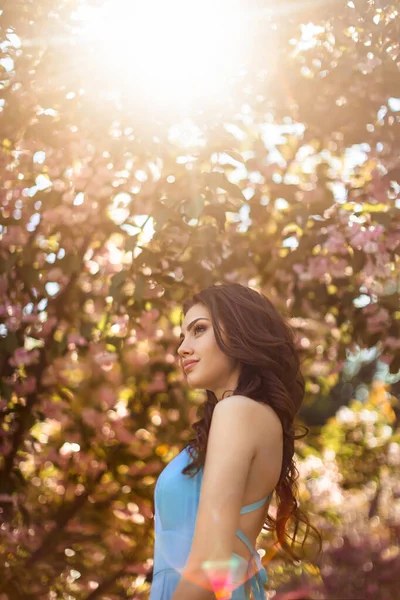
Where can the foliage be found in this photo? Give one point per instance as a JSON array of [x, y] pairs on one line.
[[112, 212], [351, 484]]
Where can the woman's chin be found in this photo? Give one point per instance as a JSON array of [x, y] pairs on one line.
[[193, 381]]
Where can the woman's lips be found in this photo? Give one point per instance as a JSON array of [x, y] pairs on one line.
[[190, 365]]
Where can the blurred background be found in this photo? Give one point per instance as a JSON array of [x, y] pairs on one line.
[[150, 149]]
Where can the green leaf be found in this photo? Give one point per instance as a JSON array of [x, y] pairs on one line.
[[116, 282], [161, 215], [131, 242], [194, 207], [140, 287], [218, 180]]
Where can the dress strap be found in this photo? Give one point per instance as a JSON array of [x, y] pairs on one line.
[[258, 578], [255, 505]]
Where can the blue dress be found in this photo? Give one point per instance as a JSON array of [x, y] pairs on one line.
[[176, 500]]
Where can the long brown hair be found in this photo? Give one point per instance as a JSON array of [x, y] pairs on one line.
[[263, 343]]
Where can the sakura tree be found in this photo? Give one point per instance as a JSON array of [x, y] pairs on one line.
[[116, 205]]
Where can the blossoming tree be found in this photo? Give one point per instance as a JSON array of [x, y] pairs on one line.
[[113, 210]]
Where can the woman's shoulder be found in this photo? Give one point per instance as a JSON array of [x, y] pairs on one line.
[[260, 408]]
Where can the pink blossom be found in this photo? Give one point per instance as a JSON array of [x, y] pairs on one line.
[[57, 275], [158, 384], [370, 247], [377, 268], [392, 342], [24, 357], [51, 409], [47, 326], [298, 268], [85, 172], [135, 358], [337, 268], [15, 235], [107, 395], [104, 358], [392, 240], [77, 339], [49, 376], [58, 216], [69, 196], [27, 386], [360, 235], [122, 433], [336, 243], [31, 318], [386, 359], [59, 185], [92, 417], [116, 542], [119, 325], [13, 323], [318, 266], [378, 188], [378, 321], [14, 310]]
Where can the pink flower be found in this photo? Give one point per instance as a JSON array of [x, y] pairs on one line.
[[107, 395], [336, 243], [13, 323], [24, 357], [378, 321], [392, 342], [76, 339], [15, 235], [27, 386], [360, 235], [59, 185], [57, 275], [386, 359], [92, 417], [32, 318], [158, 384], [58, 216], [47, 326], [105, 359], [119, 325], [122, 433], [378, 188]]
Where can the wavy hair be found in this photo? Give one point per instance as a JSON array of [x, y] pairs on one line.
[[264, 344]]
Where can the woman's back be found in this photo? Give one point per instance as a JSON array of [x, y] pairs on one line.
[[176, 503]]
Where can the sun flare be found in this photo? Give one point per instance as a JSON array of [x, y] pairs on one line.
[[175, 51]]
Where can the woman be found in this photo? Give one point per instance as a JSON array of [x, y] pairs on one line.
[[210, 510]]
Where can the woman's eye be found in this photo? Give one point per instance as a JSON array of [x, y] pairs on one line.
[[196, 329], [199, 328]]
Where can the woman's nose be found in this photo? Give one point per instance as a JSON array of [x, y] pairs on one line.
[[183, 351]]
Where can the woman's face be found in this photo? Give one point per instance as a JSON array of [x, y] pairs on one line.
[[213, 370]]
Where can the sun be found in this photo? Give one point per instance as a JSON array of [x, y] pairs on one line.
[[175, 52]]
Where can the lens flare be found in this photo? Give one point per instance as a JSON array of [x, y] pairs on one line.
[[174, 52]]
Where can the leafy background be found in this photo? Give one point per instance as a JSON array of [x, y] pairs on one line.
[[115, 209]]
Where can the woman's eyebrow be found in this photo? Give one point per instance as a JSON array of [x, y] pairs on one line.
[[189, 327]]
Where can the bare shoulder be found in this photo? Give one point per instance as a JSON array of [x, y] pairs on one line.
[[263, 416]]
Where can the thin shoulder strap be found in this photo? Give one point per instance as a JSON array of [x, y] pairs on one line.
[[255, 505]]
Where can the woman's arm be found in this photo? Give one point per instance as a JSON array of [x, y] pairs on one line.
[[194, 588]]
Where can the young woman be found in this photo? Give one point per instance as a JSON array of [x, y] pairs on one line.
[[210, 510]]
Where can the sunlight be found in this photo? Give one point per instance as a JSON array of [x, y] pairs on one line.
[[174, 52]]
